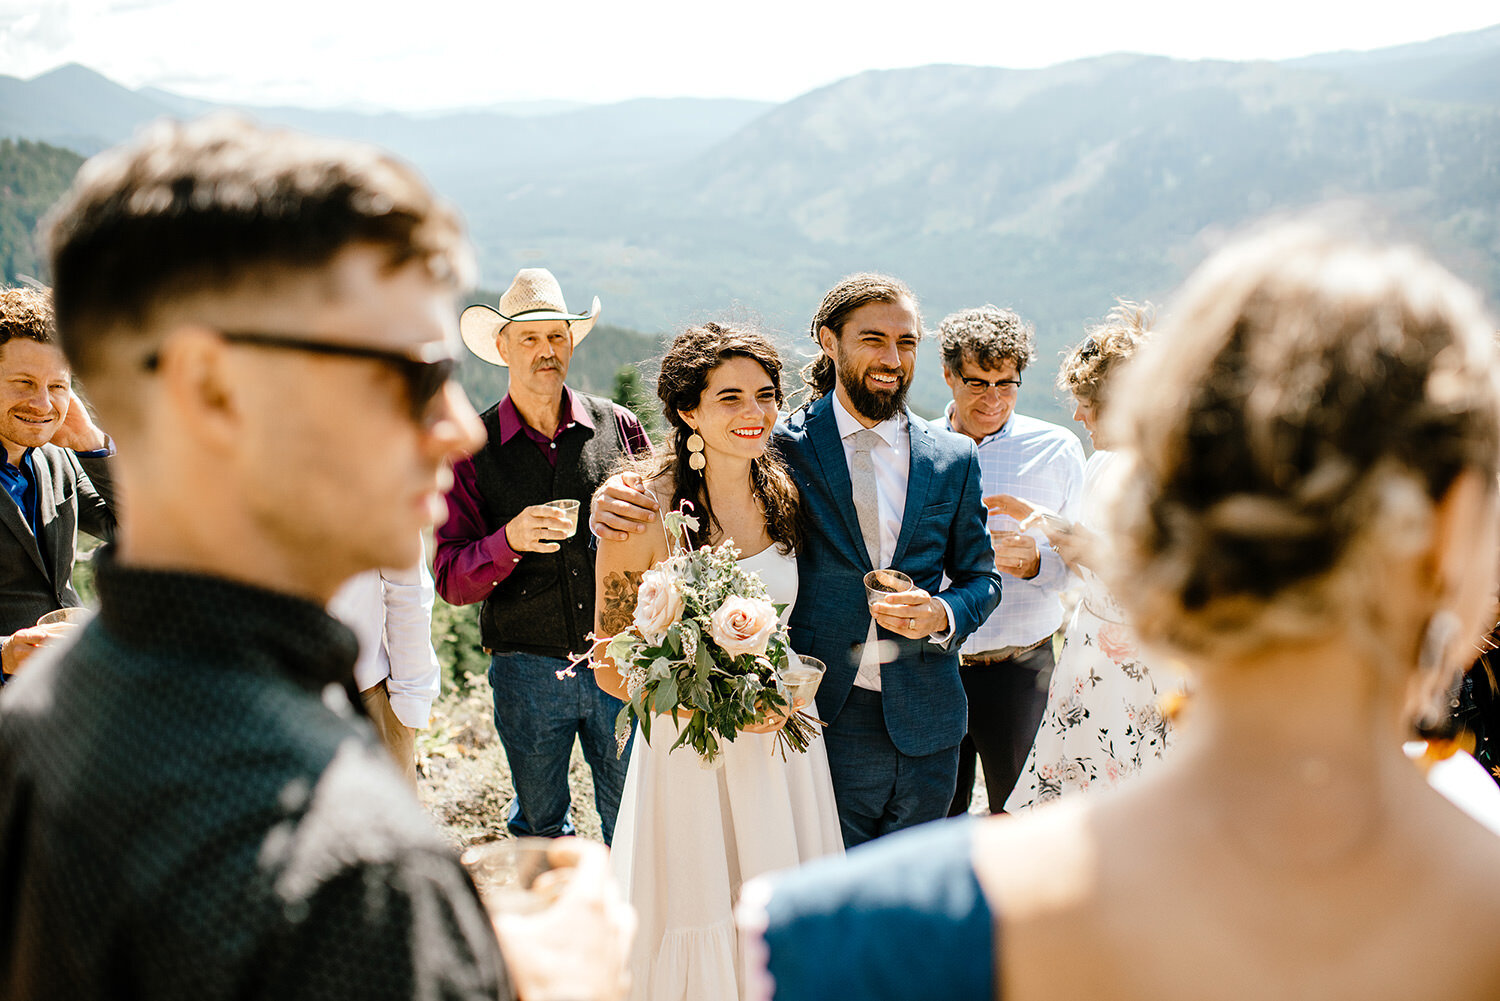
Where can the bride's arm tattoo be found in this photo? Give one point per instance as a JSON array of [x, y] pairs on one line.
[[620, 590]]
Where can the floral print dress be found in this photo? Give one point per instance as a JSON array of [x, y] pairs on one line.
[[1104, 720]]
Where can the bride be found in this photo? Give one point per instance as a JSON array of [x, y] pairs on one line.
[[688, 836]]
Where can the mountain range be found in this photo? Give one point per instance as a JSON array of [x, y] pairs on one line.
[[1050, 190]]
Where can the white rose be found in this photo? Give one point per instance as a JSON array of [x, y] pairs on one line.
[[743, 625], [657, 605]]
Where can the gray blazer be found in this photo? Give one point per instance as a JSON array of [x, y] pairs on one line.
[[36, 574]]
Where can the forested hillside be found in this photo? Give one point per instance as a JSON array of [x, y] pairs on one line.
[[32, 176], [1051, 190]]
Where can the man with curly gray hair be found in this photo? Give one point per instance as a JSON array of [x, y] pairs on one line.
[[1006, 662]]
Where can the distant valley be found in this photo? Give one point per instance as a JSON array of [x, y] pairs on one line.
[[1049, 190]]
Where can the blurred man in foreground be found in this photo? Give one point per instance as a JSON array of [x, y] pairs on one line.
[[190, 806]]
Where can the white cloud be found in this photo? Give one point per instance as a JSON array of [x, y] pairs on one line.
[[446, 53]]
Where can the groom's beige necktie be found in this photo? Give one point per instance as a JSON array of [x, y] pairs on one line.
[[866, 500]]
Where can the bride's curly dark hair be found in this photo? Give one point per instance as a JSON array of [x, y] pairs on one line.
[[685, 369]]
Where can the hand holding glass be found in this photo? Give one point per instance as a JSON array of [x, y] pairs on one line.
[[514, 876], [557, 910], [568, 508], [801, 679], [74, 616], [881, 584]]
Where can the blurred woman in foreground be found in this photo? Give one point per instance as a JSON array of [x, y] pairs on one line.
[[1309, 523]]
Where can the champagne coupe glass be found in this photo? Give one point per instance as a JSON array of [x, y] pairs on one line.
[[801, 678]]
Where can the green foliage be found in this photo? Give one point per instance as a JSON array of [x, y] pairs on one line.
[[455, 637], [83, 577], [32, 176], [631, 393]]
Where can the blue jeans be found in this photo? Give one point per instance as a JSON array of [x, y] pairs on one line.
[[537, 716]]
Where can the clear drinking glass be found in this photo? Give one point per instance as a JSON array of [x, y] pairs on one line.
[[881, 584], [801, 679], [514, 876], [568, 508], [77, 615]]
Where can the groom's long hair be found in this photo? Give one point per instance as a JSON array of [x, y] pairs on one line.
[[844, 298], [685, 369]]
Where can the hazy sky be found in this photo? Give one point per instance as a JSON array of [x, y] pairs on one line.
[[453, 53]]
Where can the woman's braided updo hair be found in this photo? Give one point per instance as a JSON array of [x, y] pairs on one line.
[[1304, 407], [685, 369]]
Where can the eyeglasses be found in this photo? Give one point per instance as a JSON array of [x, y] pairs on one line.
[[1007, 387], [425, 370]]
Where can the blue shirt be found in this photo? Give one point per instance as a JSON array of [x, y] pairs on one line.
[[1042, 463], [20, 483]]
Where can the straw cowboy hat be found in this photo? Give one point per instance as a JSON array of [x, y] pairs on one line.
[[534, 295]]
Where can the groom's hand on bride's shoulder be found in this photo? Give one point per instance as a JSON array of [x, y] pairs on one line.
[[621, 507]]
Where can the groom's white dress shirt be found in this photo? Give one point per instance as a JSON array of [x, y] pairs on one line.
[[891, 459]]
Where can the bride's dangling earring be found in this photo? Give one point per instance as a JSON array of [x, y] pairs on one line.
[[696, 458], [1438, 697]]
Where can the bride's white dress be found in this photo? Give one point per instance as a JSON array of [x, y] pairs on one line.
[[688, 838]]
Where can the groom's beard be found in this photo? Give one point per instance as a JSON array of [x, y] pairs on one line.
[[873, 404]]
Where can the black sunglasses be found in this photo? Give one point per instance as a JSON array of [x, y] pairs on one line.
[[426, 370]]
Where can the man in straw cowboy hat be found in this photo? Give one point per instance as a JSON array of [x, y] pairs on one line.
[[512, 544]]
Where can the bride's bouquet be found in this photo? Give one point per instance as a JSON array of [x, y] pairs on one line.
[[706, 638]]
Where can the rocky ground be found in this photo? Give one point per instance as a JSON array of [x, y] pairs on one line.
[[464, 781], [463, 778]]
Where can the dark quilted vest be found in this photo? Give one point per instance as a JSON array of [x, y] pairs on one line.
[[546, 605]]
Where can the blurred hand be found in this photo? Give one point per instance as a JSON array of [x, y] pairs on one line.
[[1011, 507], [22, 643], [1016, 554], [620, 507], [578, 947], [78, 430], [914, 614], [536, 528], [1075, 545]]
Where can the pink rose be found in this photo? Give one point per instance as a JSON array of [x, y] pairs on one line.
[[1116, 643], [657, 605], [743, 625]]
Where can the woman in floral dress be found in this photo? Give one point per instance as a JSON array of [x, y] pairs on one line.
[[1104, 720]]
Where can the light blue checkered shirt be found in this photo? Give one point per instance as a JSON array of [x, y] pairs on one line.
[[1041, 463]]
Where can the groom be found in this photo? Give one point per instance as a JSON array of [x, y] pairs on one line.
[[880, 488]]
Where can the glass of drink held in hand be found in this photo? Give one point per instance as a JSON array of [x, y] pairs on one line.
[[801, 679], [75, 616], [514, 876], [881, 584], [568, 508]]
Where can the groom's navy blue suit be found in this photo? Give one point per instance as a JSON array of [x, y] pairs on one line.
[[921, 700]]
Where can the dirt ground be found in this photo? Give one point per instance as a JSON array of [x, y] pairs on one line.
[[465, 783], [463, 778]]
